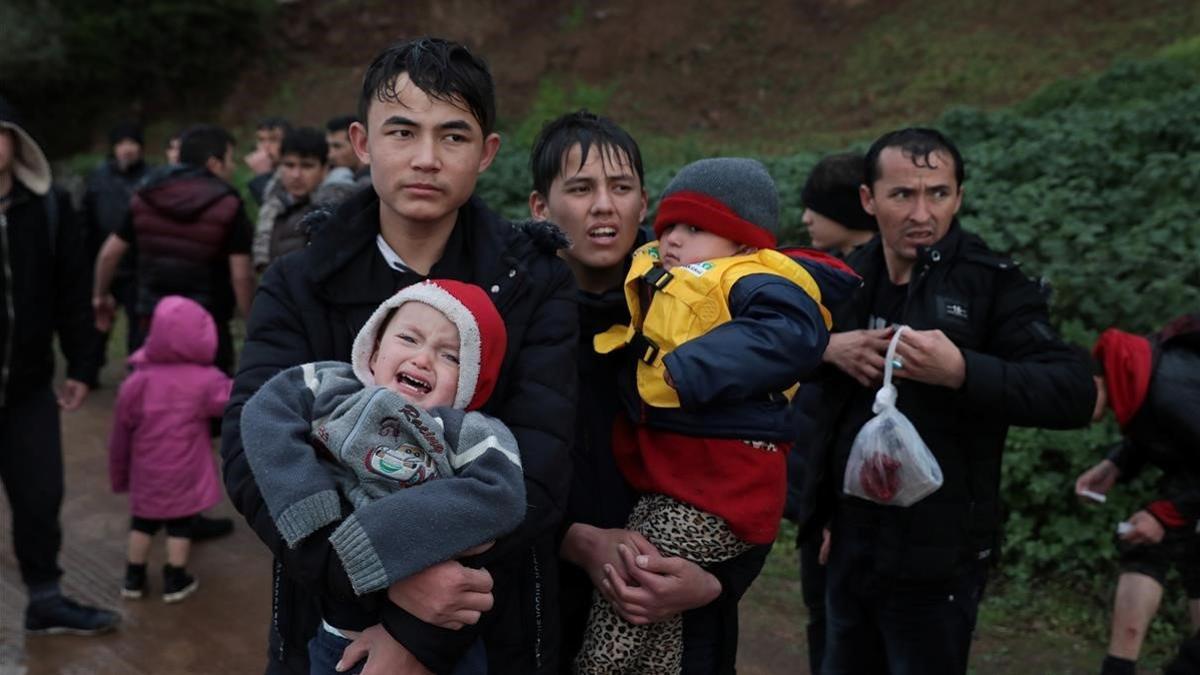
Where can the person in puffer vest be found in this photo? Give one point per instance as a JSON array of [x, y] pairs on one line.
[[723, 326], [395, 434]]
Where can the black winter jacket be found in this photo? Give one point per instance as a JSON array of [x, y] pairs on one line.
[[1018, 372], [45, 289], [106, 206], [310, 306], [1165, 431]]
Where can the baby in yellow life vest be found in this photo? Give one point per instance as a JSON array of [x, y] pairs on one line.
[[722, 326]]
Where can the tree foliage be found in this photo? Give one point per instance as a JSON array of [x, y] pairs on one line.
[[74, 60]]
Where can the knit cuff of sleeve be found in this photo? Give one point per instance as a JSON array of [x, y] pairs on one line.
[[361, 562], [308, 515]]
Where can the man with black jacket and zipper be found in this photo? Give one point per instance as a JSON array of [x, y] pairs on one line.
[[44, 291], [979, 356], [427, 108], [587, 178]]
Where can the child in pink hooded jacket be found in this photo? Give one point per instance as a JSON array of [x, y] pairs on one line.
[[160, 450]]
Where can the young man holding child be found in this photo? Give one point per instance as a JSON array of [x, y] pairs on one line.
[[588, 179], [722, 326], [428, 110], [397, 434]]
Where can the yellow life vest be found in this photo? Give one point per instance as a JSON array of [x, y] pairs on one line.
[[688, 301]]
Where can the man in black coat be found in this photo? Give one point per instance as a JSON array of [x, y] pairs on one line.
[[979, 356], [110, 187], [44, 293], [427, 109]]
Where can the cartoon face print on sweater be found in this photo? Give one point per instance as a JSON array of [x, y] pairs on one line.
[[406, 464]]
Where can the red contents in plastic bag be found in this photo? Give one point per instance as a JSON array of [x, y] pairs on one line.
[[880, 476]]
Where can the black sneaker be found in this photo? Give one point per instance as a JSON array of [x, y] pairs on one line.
[[204, 528], [135, 581], [61, 615], [177, 583]]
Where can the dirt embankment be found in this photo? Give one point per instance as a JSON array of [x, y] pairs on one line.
[[671, 67]]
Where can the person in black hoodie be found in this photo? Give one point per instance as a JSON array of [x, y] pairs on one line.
[[427, 108], [43, 290], [1152, 385], [105, 207], [587, 178], [904, 583]]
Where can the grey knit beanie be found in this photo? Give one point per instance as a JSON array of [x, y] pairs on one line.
[[733, 197]]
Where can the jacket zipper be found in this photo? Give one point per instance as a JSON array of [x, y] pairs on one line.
[[537, 610], [10, 313]]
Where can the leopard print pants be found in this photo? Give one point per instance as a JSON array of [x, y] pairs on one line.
[[612, 645]]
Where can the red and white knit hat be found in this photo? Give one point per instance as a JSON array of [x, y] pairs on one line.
[[481, 335]]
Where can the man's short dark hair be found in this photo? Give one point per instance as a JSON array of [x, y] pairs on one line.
[[445, 71], [273, 123], [588, 130], [832, 191], [305, 142], [340, 123], [202, 141], [916, 143]]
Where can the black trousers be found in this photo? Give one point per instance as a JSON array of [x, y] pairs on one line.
[[125, 291], [812, 590], [886, 626], [31, 468]]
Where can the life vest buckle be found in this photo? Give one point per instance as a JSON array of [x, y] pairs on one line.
[[657, 278], [646, 349]]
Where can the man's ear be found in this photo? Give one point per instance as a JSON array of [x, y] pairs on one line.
[[538, 208], [215, 166], [491, 146], [358, 141], [867, 199]]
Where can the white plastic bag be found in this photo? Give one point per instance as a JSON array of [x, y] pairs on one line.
[[889, 463]]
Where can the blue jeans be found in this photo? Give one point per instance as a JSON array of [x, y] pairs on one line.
[[325, 649], [885, 626]]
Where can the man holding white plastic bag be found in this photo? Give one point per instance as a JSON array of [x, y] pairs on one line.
[[977, 356]]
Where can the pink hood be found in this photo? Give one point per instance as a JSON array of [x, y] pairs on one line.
[[181, 332]]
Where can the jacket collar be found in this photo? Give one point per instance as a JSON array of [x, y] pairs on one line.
[[869, 262], [475, 250], [942, 249]]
